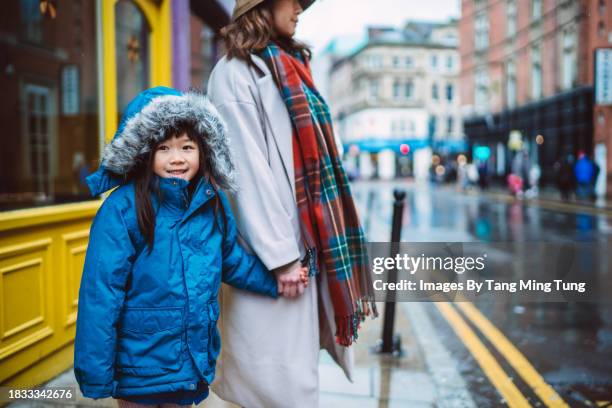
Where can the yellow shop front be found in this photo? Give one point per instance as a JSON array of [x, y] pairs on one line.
[[68, 69]]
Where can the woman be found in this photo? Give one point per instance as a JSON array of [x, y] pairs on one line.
[[293, 206]]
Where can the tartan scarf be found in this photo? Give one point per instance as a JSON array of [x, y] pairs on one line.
[[329, 223]]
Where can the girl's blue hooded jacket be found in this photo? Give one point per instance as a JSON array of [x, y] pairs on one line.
[[147, 321]]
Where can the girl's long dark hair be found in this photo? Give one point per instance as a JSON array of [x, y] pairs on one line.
[[146, 184]]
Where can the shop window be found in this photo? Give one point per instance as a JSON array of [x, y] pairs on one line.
[[132, 37], [31, 18], [49, 106], [204, 52]]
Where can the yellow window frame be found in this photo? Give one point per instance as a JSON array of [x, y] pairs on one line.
[[160, 22]]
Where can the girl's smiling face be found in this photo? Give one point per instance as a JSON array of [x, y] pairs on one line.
[[285, 16], [178, 157]]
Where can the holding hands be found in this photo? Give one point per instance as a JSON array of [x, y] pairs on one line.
[[292, 279]]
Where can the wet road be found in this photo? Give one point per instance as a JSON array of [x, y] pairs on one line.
[[547, 350]]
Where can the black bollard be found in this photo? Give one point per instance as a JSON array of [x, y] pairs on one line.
[[390, 343]]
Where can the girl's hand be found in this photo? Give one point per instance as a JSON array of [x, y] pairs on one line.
[[292, 279]]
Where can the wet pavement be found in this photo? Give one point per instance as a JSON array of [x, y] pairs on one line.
[[425, 374], [568, 345]]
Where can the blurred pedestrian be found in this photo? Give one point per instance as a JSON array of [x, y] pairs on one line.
[[584, 171], [293, 205], [483, 174], [515, 185], [462, 177], [534, 180], [471, 172], [596, 171], [520, 172], [565, 176]]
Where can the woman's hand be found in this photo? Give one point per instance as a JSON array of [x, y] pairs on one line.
[[292, 279]]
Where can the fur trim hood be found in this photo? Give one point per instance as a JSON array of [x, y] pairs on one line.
[[150, 116]]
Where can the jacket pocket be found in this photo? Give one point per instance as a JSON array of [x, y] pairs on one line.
[[214, 340], [149, 341]]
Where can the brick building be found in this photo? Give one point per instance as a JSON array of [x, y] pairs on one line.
[[527, 67]]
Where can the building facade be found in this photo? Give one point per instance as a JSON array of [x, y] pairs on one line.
[[395, 99], [67, 70], [527, 80]]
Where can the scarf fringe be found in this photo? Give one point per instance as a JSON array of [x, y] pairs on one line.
[[347, 327]]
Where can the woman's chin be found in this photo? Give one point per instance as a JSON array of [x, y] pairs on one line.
[[288, 35]]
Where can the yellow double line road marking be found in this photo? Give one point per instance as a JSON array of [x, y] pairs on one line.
[[491, 368]]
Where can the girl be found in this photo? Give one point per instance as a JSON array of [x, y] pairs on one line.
[[293, 205], [159, 247]]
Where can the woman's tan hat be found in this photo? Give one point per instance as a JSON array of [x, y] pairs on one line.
[[242, 6]]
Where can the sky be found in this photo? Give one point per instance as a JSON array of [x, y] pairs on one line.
[[326, 19]]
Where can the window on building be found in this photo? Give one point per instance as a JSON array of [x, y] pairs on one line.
[[601, 29], [440, 125], [481, 32], [50, 114], [511, 16], [481, 82], [449, 62], [536, 9], [449, 92], [375, 61], [536, 72], [397, 86], [568, 70], [408, 90], [511, 84], [602, 7], [431, 125], [402, 127], [434, 92], [434, 61], [374, 89], [396, 62], [449, 125], [408, 62]]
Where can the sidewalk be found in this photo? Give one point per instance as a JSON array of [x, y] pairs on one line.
[[424, 376], [547, 197]]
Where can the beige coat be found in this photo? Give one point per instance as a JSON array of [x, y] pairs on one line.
[[270, 347]]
